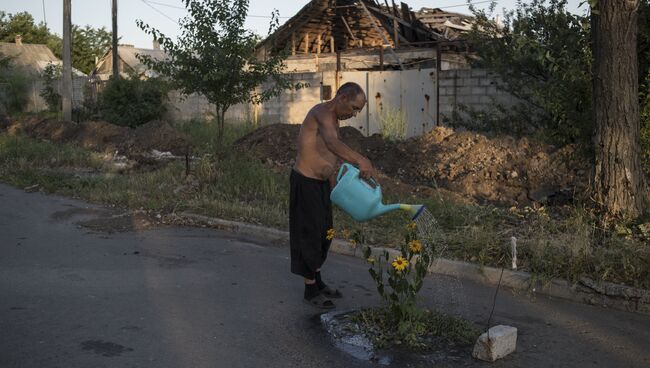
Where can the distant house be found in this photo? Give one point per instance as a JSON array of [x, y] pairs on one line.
[[128, 63], [31, 59], [412, 65], [365, 34]]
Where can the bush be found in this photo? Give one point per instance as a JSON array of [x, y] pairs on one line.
[[132, 102], [543, 55], [49, 93], [14, 87], [393, 122]]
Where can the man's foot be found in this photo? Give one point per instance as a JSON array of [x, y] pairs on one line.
[[331, 293], [320, 301], [326, 290]]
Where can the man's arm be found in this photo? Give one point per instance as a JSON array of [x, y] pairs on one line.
[[328, 130]]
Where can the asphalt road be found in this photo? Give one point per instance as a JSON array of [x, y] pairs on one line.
[[73, 296]]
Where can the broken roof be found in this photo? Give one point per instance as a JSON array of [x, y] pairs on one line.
[[129, 56], [330, 25], [451, 25]]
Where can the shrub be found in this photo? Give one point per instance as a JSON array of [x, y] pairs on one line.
[[543, 55], [132, 102], [49, 93], [14, 87], [393, 123]]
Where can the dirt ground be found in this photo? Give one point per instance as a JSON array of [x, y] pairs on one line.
[[461, 165], [105, 137], [501, 170]]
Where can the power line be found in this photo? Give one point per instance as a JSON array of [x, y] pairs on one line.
[[158, 11], [182, 8], [456, 6]]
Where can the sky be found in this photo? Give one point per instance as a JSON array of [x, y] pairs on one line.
[[164, 14]]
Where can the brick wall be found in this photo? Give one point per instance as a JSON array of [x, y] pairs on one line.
[[474, 88]]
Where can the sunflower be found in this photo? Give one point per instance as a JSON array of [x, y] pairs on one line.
[[400, 263], [411, 225], [346, 233], [330, 234], [415, 246], [371, 260]]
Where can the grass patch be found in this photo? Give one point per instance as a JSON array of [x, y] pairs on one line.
[[425, 333], [562, 243]]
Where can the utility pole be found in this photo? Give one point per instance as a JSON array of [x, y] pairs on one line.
[[66, 96], [116, 71]]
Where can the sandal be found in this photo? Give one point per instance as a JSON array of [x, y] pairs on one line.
[[331, 293], [319, 301]]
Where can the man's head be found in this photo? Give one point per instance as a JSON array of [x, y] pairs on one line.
[[350, 100]]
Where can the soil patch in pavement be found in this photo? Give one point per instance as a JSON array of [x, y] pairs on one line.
[[501, 170], [118, 224]]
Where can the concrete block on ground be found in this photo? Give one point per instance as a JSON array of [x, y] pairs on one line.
[[501, 342]]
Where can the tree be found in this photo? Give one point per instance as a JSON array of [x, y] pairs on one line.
[[215, 56], [23, 24], [543, 56], [87, 42], [619, 184]]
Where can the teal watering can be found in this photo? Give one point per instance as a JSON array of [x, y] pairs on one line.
[[362, 201]]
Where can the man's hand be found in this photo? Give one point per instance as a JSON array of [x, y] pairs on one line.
[[367, 170]]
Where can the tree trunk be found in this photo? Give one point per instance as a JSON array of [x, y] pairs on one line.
[[619, 184], [221, 119]]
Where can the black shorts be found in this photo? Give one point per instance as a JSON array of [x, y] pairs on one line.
[[310, 216]]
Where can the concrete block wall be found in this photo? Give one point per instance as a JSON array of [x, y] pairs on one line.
[[36, 103], [475, 89]]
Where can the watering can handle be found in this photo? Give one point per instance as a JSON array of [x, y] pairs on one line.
[[343, 168]]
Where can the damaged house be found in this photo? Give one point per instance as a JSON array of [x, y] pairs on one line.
[[385, 48], [412, 65]]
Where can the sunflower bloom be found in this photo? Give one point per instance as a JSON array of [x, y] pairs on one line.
[[353, 242], [411, 225], [400, 263], [330, 234], [371, 260], [415, 246]]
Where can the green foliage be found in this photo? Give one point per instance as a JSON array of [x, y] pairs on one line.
[[204, 136], [87, 42], [215, 56], [23, 24], [51, 74], [543, 55], [398, 282], [14, 87], [432, 325], [393, 122], [132, 102]]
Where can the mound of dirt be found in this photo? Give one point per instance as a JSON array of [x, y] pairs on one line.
[[500, 170], [159, 135], [106, 137]]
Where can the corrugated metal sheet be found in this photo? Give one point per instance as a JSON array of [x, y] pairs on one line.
[[409, 93]]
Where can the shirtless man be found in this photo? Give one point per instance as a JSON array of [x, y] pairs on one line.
[[312, 177]]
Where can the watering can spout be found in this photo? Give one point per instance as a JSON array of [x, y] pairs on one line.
[[383, 208]]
